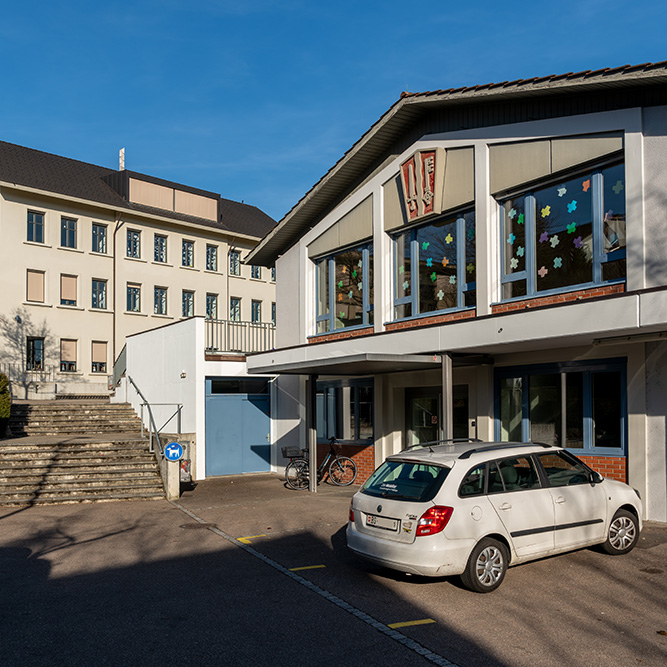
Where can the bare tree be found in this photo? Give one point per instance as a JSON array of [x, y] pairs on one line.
[[16, 329]]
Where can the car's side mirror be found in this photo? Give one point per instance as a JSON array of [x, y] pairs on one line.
[[595, 477]]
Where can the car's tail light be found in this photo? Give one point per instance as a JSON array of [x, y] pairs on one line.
[[351, 513], [434, 520]]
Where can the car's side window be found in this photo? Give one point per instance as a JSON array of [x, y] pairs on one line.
[[495, 479], [473, 482], [518, 473], [561, 471]]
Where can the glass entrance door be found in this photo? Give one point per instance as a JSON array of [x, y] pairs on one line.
[[423, 414]]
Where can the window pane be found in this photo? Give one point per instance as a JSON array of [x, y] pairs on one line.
[[614, 208], [473, 482], [519, 473], [514, 235], [437, 266], [471, 257], [574, 401], [402, 269], [510, 409], [564, 234], [348, 276], [563, 471], [514, 289], [545, 408], [607, 422], [322, 269], [365, 410]]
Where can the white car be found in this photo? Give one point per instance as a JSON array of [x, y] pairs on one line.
[[474, 509]]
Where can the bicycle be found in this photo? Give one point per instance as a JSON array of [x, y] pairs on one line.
[[342, 470]]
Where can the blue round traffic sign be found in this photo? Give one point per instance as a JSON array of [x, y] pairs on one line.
[[173, 451]]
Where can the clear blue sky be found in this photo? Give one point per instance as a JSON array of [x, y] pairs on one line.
[[256, 100]]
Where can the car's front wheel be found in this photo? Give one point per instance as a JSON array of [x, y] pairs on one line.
[[486, 566], [622, 534]]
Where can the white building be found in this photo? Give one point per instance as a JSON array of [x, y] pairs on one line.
[[91, 256], [486, 262]]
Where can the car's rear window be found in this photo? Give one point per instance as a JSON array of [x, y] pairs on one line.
[[403, 480]]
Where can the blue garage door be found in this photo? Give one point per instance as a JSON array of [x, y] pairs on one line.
[[237, 426]]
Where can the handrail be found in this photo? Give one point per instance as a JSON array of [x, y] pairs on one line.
[[153, 429], [177, 413]]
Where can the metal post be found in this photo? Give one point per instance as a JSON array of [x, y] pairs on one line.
[[447, 398], [311, 429]]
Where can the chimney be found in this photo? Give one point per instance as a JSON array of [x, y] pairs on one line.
[[121, 159]]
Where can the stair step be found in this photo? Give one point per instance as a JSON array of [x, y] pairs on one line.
[[19, 478], [74, 486], [110, 497]]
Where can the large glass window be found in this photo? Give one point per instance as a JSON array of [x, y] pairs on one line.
[[188, 254], [212, 306], [211, 257], [345, 411], [256, 312], [67, 233], [99, 238], [235, 309], [188, 303], [160, 248], [160, 300], [569, 233], [434, 266], [133, 244], [134, 298], [234, 263], [345, 289], [99, 294], [576, 406], [35, 354]]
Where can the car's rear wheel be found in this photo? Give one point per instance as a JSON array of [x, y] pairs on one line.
[[486, 566], [622, 534]]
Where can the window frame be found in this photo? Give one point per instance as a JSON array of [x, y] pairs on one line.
[[188, 303], [68, 229], [234, 309], [160, 248], [332, 423], [256, 311], [462, 287], [133, 250], [599, 257], [188, 254], [367, 306], [133, 295], [211, 257], [68, 366], [234, 263], [32, 362], [255, 271], [96, 282], [587, 368], [211, 299], [160, 300], [99, 238], [35, 225]]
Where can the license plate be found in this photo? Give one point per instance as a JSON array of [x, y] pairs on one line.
[[381, 522]]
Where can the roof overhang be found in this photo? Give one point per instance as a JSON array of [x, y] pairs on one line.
[[373, 145]]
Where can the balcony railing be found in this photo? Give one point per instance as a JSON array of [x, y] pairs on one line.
[[244, 337]]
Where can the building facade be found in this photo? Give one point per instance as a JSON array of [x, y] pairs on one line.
[[92, 256], [486, 262]]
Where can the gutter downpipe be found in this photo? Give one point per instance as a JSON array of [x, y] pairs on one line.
[[117, 225], [311, 431]]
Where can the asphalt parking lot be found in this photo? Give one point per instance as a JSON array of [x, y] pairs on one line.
[[242, 569]]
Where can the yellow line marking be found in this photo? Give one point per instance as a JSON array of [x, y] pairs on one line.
[[246, 540], [306, 567], [405, 624]]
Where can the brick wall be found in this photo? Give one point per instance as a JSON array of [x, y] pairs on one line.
[[432, 319], [339, 335], [614, 467], [558, 298], [363, 456]]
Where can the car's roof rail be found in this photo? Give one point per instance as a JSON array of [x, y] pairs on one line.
[[469, 452], [447, 441]]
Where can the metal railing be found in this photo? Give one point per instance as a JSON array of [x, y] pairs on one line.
[[154, 433], [120, 366], [244, 337], [176, 413]]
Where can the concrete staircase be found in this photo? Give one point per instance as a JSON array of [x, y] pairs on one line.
[[88, 451]]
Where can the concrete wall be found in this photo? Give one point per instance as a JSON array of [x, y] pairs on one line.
[[656, 431]]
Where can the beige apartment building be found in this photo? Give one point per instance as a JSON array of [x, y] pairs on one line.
[[91, 255]]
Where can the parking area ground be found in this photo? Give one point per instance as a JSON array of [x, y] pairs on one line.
[[242, 569]]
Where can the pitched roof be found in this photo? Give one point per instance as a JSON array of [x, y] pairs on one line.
[[410, 108], [63, 176]]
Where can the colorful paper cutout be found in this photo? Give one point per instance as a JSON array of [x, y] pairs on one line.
[[452, 280], [546, 211], [520, 219], [558, 262], [586, 184], [429, 262], [350, 294], [572, 206], [448, 239], [511, 214], [562, 192], [554, 241], [578, 242], [360, 263], [440, 295], [520, 251], [354, 273], [445, 261], [434, 276], [511, 238], [571, 228], [514, 262], [359, 286], [470, 267], [618, 188], [401, 269], [544, 237], [425, 245], [543, 272], [406, 284], [345, 269], [340, 296], [341, 314], [340, 284], [471, 234]]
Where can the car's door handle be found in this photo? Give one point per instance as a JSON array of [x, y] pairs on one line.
[[505, 506], [559, 500]]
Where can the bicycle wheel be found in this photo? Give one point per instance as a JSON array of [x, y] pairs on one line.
[[296, 474], [342, 471]]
